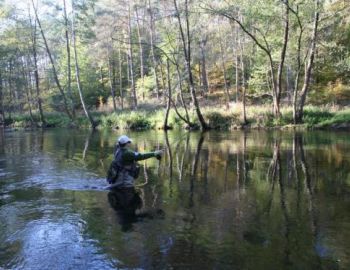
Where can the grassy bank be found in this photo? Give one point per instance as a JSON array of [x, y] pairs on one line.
[[219, 119]]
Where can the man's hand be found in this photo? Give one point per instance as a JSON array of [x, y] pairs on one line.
[[158, 154]]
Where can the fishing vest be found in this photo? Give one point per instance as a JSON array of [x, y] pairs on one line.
[[120, 175]]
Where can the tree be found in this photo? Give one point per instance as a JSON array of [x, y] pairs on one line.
[[186, 43], [69, 76], [300, 110], [152, 34], [52, 64], [77, 73], [131, 59], [36, 69], [259, 37]]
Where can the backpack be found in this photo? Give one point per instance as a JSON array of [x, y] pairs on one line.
[[113, 172], [114, 169]]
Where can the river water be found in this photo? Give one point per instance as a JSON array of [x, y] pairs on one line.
[[254, 200]]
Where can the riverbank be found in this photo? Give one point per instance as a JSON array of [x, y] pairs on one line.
[[258, 117]]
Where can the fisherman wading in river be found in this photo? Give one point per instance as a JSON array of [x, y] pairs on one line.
[[124, 168]]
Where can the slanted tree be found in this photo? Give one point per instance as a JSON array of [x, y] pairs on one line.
[[57, 81], [77, 73], [186, 44]]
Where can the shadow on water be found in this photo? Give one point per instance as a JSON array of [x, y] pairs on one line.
[[126, 202]]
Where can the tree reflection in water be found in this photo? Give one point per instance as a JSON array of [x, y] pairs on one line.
[[240, 200]]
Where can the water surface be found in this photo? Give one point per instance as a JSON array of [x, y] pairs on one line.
[[254, 200]]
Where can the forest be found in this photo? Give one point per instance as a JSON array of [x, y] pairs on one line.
[[200, 64]]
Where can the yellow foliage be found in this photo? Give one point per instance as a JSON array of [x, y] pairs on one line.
[[339, 93]]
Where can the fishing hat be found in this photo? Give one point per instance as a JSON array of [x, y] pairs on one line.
[[124, 139]]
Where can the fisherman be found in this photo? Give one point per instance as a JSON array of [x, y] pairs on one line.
[[124, 168]]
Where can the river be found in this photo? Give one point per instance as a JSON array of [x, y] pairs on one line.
[[218, 200]]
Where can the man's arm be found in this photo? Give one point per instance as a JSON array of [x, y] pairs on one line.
[[131, 156]]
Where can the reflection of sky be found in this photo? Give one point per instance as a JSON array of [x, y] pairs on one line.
[[49, 173], [60, 245]]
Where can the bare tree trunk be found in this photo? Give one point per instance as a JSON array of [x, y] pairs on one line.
[[77, 75], [224, 72], [165, 126], [128, 67], [181, 93], [69, 73], [101, 77], [299, 62], [52, 64], [141, 52], [154, 60], [187, 54], [204, 76], [200, 78], [163, 81], [283, 53], [36, 72], [120, 70], [304, 90], [111, 75], [27, 91], [236, 62], [131, 59], [9, 82], [244, 116]]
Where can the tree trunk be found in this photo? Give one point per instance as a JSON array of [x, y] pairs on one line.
[[276, 105], [9, 82], [236, 62], [244, 116], [163, 81], [165, 126], [224, 73], [307, 76], [111, 74], [299, 67], [120, 70], [154, 60], [77, 75], [283, 54], [181, 93], [187, 54], [131, 58], [36, 72], [52, 64], [141, 52], [37, 88], [27, 91], [204, 76], [69, 73]]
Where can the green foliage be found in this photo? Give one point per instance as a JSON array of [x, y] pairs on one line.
[[315, 115], [135, 121], [126, 120], [342, 117], [220, 121], [146, 86]]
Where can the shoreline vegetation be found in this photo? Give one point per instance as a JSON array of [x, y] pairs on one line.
[[141, 65], [258, 117]]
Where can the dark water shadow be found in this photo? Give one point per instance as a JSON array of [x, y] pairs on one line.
[[126, 203]]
